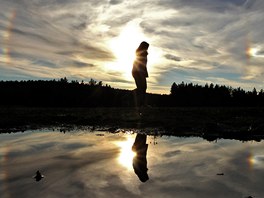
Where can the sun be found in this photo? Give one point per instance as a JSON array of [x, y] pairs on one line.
[[126, 155], [255, 52], [124, 47], [252, 52]]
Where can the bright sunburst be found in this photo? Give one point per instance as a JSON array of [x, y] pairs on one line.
[[126, 154], [124, 47], [252, 52], [255, 52]]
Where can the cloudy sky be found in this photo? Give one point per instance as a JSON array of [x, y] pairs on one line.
[[199, 41]]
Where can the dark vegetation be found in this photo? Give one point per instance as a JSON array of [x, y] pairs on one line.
[[214, 95], [243, 123], [210, 111], [62, 93]]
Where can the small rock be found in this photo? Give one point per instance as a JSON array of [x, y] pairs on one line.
[[220, 174], [38, 176]]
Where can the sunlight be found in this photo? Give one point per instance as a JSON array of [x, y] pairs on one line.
[[126, 154], [254, 52], [7, 36], [124, 47], [256, 161]]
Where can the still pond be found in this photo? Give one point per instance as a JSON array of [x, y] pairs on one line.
[[82, 163]]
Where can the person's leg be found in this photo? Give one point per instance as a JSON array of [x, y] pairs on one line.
[[142, 90], [141, 84], [137, 90]]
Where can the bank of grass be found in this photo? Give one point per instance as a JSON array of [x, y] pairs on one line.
[[202, 120]]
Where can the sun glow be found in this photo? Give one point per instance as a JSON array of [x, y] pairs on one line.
[[124, 47], [254, 52], [7, 36], [256, 161], [126, 154]]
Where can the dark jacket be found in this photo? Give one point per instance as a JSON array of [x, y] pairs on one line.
[[140, 64]]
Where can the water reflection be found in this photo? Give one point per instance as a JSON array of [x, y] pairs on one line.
[[126, 154], [256, 161], [140, 160], [81, 164]]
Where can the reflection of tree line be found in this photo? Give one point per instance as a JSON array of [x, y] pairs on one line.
[[64, 93]]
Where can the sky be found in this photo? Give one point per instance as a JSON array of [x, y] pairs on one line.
[[198, 41]]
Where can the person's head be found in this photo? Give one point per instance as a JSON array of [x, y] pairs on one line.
[[143, 47]]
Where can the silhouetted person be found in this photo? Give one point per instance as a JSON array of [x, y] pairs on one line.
[[140, 160], [140, 72]]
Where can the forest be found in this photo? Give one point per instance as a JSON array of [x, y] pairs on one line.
[[65, 93]]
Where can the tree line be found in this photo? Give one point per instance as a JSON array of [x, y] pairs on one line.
[[214, 95], [65, 93]]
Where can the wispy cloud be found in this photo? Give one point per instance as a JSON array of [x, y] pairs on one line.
[[72, 38]]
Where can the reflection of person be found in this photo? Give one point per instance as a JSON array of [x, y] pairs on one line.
[[140, 160], [140, 73]]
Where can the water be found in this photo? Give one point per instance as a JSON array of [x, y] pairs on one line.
[[100, 164]]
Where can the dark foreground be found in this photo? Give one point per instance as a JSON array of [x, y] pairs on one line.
[[210, 123]]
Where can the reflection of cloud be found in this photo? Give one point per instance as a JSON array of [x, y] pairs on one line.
[[201, 161], [84, 163], [172, 153]]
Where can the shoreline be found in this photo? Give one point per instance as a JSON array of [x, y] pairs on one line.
[[211, 123]]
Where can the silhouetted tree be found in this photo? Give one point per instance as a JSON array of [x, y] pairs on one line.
[[61, 93], [185, 94]]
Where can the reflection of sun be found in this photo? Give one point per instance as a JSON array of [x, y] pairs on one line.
[[126, 154], [124, 47], [256, 161]]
